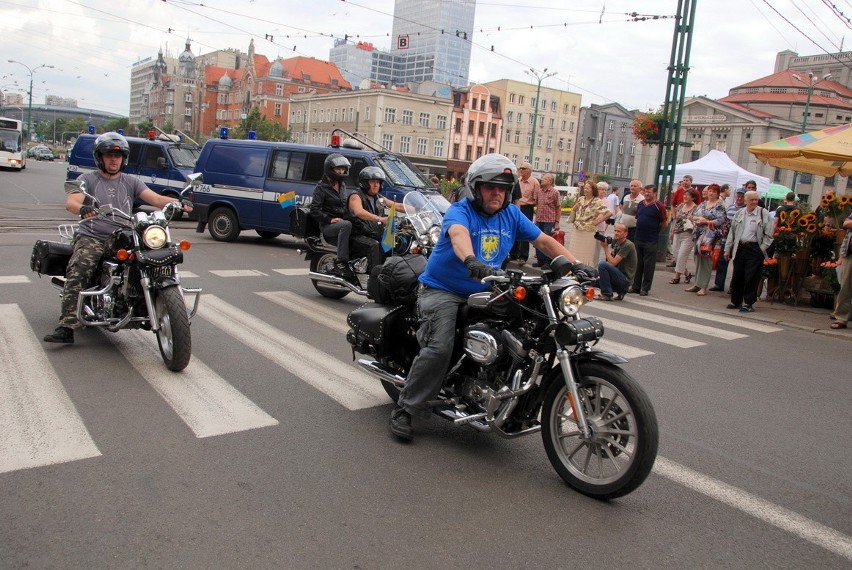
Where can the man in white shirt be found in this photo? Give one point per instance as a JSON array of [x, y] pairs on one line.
[[629, 207]]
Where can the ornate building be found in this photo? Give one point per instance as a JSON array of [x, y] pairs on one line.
[[476, 127]]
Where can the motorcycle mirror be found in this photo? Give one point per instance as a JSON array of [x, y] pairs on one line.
[[560, 265], [196, 178]]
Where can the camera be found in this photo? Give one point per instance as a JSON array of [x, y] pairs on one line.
[[600, 237]]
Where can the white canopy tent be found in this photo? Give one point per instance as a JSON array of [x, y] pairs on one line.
[[716, 167]]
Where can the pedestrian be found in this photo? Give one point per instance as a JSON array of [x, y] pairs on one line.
[[588, 211], [722, 264], [651, 218], [628, 207], [618, 266], [843, 302], [681, 235], [708, 219], [547, 212], [527, 185], [750, 236]]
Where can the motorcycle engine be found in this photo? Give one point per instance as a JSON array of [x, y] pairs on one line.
[[482, 344]]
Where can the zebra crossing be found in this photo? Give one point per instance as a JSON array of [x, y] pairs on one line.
[[41, 425]]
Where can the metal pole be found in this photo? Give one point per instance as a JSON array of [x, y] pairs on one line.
[[811, 84], [539, 78]]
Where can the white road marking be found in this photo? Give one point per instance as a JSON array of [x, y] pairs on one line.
[[321, 313], [187, 274], [204, 400], [38, 422], [292, 272], [620, 349], [349, 386], [779, 517], [714, 317], [676, 323], [9, 279], [650, 334], [238, 273]]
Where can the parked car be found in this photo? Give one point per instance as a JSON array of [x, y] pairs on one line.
[[31, 152], [44, 154]]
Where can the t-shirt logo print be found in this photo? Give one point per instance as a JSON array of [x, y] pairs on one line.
[[490, 245]]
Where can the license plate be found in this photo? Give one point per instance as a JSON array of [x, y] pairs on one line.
[[158, 272]]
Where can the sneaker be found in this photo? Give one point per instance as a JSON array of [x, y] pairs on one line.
[[746, 309], [733, 306], [400, 424], [62, 335]]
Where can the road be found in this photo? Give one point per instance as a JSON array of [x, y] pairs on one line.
[[272, 451]]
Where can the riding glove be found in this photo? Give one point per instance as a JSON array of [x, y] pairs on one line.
[[476, 268]]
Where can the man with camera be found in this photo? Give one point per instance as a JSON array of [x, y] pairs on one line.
[[616, 273]]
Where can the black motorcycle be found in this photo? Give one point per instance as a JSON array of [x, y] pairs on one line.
[[524, 363], [137, 284]]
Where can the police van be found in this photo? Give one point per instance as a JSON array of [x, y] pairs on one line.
[[162, 162], [254, 185]]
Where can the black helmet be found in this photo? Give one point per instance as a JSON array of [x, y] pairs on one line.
[[110, 143], [492, 168], [333, 161], [371, 173]]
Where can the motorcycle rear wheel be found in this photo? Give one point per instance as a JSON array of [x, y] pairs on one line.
[[623, 447], [173, 337], [324, 263]]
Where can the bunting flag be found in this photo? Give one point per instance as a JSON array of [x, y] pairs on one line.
[[388, 238], [287, 199]]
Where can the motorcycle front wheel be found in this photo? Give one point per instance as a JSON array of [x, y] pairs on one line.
[[173, 336], [324, 263], [620, 453]]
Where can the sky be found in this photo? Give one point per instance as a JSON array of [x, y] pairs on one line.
[[595, 47]]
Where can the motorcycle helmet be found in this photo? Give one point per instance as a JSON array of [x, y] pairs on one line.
[[107, 143], [333, 161], [492, 168], [371, 173]]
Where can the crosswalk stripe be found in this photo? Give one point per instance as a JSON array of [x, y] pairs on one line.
[[10, 279], [38, 421], [319, 312], [292, 272], [238, 273], [620, 349], [187, 274], [613, 325], [716, 318], [204, 400], [351, 388], [676, 323]]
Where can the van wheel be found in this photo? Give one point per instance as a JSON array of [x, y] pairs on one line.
[[267, 235], [223, 224]]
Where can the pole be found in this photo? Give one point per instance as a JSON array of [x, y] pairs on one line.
[[30, 105], [812, 81], [539, 78]]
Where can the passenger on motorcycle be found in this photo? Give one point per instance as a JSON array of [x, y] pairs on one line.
[[477, 234], [109, 185], [367, 209], [329, 209]]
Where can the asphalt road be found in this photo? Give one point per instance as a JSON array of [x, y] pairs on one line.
[[259, 456]]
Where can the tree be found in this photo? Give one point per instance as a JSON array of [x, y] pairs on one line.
[[143, 128], [116, 124], [264, 128]]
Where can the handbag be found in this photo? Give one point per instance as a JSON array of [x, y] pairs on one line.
[[688, 226], [705, 242]]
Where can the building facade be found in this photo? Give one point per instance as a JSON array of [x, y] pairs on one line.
[[476, 127], [556, 115], [605, 145]]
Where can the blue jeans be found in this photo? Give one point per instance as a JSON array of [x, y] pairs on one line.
[[547, 229], [611, 279]]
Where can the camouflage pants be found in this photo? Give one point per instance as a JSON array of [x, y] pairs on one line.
[[84, 261]]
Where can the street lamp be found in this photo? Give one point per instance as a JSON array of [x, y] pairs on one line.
[[30, 105], [812, 82], [539, 77]]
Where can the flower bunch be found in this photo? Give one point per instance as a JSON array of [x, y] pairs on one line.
[[829, 276], [795, 231], [836, 207], [647, 127], [770, 268]]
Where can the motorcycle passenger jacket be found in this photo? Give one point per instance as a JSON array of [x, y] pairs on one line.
[[363, 227], [327, 203]]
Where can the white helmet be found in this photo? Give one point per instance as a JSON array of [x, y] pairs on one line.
[[492, 168]]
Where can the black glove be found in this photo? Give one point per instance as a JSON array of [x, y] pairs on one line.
[[584, 272], [476, 268], [85, 211], [186, 204]]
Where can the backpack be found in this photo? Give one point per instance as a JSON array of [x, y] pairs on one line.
[[395, 281]]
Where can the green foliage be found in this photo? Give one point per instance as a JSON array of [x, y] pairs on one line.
[[116, 124], [143, 128], [568, 202], [561, 179], [266, 130]]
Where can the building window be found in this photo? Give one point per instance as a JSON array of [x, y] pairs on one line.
[[630, 171], [532, 102], [620, 147], [442, 122], [407, 117], [468, 153], [606, 167], [470, 126], [367, 113], [335, 115], [611, 124], [509, 116], [632, 149], [390, 115], [571, 127], [279, 89], [493, 130], [553, 106], [568, 144], [439, 148], [552, 123], [623, 127], [520, 99], [531, 119], [481, 129], [478, 151], [520, 115], [278, 109], [517, 137], [565, 108], [508, 136], [424, 120], [549, 142], [830, 181], [387, 142], [561, 144], [421, 146], [473, 103], [618, 170], [536, 163], [458, 125], [558, 166], [187, 98], [322, 116], [405, 145], [511, 97], [455, 151], [547, 164], [609, 146], [573, 109], [805, 178]]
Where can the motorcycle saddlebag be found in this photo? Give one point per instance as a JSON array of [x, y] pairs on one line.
[[50, 257], [302, 224], [371, 324]]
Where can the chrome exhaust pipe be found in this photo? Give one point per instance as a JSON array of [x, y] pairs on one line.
[[377, 369], [336, 280]]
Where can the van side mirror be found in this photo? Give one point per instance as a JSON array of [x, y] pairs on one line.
[[161, 162]]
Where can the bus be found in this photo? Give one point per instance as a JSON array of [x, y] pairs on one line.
[[12, 151]]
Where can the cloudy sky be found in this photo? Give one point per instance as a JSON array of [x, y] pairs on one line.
[[595, 46]]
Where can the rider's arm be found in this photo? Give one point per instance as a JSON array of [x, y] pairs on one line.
[[358, 210], [551, 247], [74, 202], [460, 238], [158, 200]]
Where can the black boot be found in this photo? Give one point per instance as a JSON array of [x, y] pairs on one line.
[[62, 335], [342, 268], [400, 424]]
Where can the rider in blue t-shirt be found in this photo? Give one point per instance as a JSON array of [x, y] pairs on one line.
[[477, 234]]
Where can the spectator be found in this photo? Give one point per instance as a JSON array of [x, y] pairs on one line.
[[587, 213], [619, 266], [681, 235], [843, 305], [628, 208], [547, 214], [528, 186], [722, 265], [708, 217], [651, 218], [749, 238]]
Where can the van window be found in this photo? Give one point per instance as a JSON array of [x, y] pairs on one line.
[[135, 152], [288, 165], [184, 156], [152, 153], [228, 159], [401, 172]]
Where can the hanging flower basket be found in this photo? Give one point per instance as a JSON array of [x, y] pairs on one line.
[[648, 128]]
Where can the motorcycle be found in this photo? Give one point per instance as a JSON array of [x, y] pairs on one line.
[[137, 284], [416, 230], [523, 363]]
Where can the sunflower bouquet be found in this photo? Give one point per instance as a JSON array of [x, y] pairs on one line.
[[836, 208], [795, 231]]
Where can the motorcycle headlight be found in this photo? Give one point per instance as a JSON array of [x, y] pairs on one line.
[[434, 234], [570, 300], [154, 237]]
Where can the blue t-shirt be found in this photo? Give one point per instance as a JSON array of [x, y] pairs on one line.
[[492, 238], [648, 219]]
